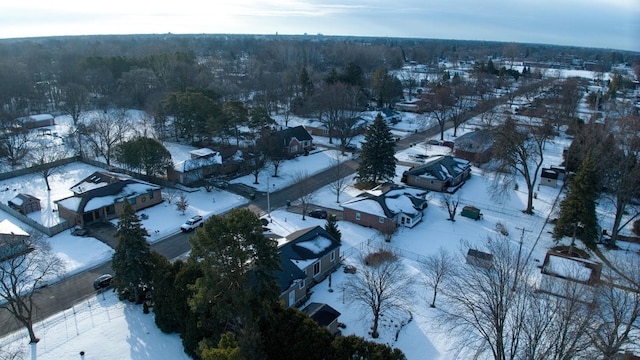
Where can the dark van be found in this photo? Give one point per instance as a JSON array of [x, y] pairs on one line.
[[102, 281]]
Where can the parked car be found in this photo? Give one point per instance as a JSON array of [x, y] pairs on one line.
[[447, 143], [318, 214], [102, 281], [192, 223], [434, 142]]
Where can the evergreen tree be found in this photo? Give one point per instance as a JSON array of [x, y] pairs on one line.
[[578, 209], [355, 347], [131, 261], [238, 287], [332, 227], [377, 160]]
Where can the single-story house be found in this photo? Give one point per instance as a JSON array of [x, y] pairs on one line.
[[307, 256], [324, 315], [296, 140], [13, 240], [25, 203], [202, 163], [441, 173], [475, 146], [386, 208], [319, 128], [417, 105], [101, 195], [569, 276], [37, 121]]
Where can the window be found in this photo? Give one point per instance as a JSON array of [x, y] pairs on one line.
[[332, 256], [151, 194], [301, 284], [132, 201], [316, 268], [294, 148], [381, 220], [357, 216]]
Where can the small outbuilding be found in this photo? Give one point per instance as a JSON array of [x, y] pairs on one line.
[[324, 315], [549, 177], [479, 258], [471, 212], [25, 203]]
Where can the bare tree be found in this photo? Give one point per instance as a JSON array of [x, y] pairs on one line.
[[340, 179], [441, 104], [451, 203], [617, 311], [182, 204], [304, 191], [28, 264], [170, 194], [382, 285], [14, 146], [519, 151], [437, 268], [107, 129], [486, 306], [45, 156]]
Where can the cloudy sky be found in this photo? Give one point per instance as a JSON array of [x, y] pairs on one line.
[[611, 24]]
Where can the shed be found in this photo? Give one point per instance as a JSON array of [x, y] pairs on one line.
[[324, 315], [479, 258], [471, 212], [25, 203], [549, 177]]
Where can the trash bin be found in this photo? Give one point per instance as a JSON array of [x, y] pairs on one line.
[[252, 196], [288, 203]]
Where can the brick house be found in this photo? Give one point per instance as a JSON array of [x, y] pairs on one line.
[[100, 196], [386, 208], [442, 173], [307, 256], [296, 140], [475, 146]]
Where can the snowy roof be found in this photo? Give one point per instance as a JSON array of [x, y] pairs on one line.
[[9, 228], [202, 152], [41, 117], [570, 267], [387, 202], [198, 163], [441, 167]]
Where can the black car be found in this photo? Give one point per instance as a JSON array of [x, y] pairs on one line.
[[102, 281], [318, 214]]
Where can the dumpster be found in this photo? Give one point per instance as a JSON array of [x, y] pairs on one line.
[[471, 212]]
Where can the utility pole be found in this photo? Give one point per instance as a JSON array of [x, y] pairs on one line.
[[515, 280]]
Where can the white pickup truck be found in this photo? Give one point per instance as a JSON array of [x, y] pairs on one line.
[[192, 223]]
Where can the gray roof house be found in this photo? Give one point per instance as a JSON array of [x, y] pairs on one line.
[[441, 173], [307, 256]]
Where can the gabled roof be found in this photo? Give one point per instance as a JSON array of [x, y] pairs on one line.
[[198, 163], [299, 250], [298, 132], [440, 167], [475, 141], [104, 188], [21, 198], [7, 228], [390, 202]]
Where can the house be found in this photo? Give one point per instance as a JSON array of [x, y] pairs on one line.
[[202, 163], [324, 315], [13, 240], [441, 173], [307, 256], [25, 203], [101, 195], [319, 128], [549, 177], [37, 121], [296, 140], [475, 146], [417, 105], [569, 276], [386, 208]]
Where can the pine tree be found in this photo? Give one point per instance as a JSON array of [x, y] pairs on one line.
[[377, 160], [578, 209], [131, 261], [332, 227]]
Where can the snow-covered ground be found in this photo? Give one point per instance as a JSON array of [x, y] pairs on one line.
[[105, 328]]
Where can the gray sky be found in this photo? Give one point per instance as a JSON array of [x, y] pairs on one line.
[[613, 24]]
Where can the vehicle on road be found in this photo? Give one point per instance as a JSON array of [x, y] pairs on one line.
[[102, 281], [318, 214], [435, 142], [192, 223]]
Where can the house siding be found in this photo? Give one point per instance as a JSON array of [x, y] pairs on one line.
[[369, 220]]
